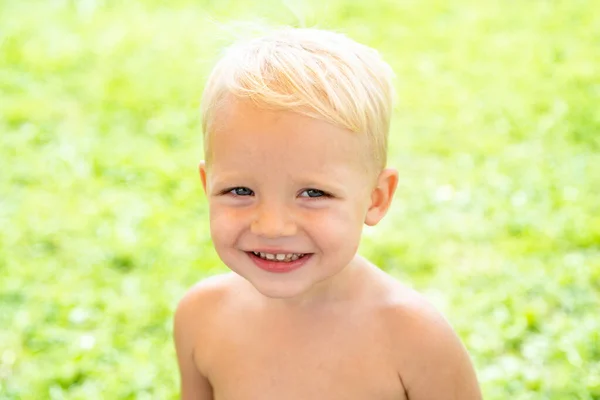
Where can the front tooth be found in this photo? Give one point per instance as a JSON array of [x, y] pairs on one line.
[[294, 257], [270, 256], [280, 257], [262, 255]]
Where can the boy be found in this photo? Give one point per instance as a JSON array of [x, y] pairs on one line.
[[295, 133]]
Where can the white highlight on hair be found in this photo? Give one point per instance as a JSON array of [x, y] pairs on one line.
[[321, 74]]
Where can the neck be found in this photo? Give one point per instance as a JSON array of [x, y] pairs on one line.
[[341, 287]]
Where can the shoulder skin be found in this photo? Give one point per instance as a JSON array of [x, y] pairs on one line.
[[431, 360], [192, 318]]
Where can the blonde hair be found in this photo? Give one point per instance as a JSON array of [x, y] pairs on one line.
[[317, 73]]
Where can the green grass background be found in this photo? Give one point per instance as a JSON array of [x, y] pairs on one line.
[[103, 222]]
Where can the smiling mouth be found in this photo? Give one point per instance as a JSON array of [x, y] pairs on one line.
[[280, 257], [279, 262]]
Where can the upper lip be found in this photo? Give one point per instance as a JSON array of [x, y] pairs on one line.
[[276, 251]]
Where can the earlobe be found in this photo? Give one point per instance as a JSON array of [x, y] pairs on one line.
[[202, 170], [381, 196]]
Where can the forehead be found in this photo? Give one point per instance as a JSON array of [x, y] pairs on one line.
[[250, 137]]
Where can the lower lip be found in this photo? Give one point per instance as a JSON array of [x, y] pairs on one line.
[[278, 266]]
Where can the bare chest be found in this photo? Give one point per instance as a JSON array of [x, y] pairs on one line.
[[341, 360]]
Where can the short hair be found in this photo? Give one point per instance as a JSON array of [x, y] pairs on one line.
[[317, 73]]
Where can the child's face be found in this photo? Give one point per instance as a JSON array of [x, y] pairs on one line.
[[282, 183]]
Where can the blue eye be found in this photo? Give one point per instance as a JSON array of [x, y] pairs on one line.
[[241, 191], [313, 193]]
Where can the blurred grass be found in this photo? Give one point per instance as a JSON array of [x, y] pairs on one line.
[[103, 222]]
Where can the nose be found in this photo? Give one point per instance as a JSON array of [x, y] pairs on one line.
[[272, 221]]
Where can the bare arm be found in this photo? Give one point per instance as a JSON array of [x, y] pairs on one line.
[[194, 386], [433, 363]]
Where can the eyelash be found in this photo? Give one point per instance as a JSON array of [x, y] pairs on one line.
[[231, 192], [323, 194]]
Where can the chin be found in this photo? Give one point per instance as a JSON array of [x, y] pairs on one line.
[[279, 290]]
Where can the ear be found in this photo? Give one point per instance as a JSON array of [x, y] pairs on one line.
[[381, 196], [202, 170]]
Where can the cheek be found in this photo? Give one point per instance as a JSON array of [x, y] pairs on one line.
[[225, 222], [338, 228]]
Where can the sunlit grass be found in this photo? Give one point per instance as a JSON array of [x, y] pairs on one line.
[[103, 222]]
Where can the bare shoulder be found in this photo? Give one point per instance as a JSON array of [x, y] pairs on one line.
[[200, 303], [207, 290], [431, 360], [192, 332]]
